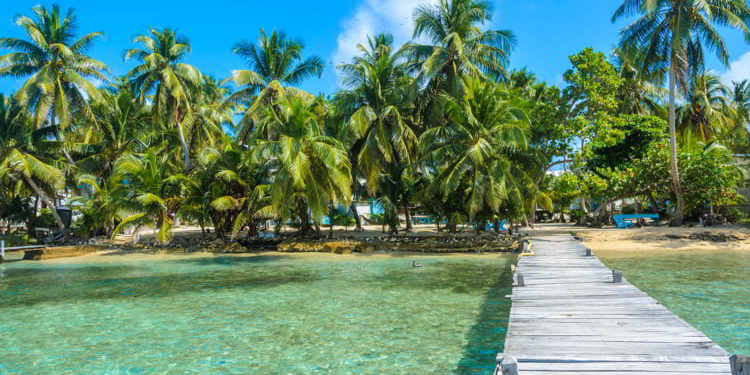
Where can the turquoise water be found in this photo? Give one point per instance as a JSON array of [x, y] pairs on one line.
[[709, 290], [274, 314]]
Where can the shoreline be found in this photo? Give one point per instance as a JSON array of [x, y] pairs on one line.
[[656, 240], [114, 255]]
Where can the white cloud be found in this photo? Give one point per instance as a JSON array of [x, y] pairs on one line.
[[373, 17], [738, 70]]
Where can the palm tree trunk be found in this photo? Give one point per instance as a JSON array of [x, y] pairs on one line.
[[357, 219], [185, 149], [330, 216], [407, 215], [135, 237], [452, 223], [58, 135], [45, 200], [677, 219]]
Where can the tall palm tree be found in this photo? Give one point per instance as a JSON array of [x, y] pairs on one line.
[[458, 44], [162, 74], [18, 159], [57, 66], [475, 150], [310, 168], [707, 109], [378, 94], [274, 60], [674, 34]]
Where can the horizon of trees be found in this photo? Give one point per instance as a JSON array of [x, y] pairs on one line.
[[443, 127]]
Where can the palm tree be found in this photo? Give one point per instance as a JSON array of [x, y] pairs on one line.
[[162, 73], [146, 192], [378, 95], [741, 100], [673, 34], [18, 161], [57, 65], [458, 44], [475, 150], [706, 112], [641, 90], [310, 169], [120, 124], [209, 115], [223, 190], [274, 60]]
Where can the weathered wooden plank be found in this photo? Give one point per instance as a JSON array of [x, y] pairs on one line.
[[626, 366], [552, 372], [627, 358], [575, 316]]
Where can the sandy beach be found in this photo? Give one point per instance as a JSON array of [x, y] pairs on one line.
[[651, 238], [606, 240]]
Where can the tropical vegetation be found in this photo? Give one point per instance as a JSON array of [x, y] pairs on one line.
[[440, 125]]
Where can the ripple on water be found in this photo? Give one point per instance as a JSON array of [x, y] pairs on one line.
[[264, 315]]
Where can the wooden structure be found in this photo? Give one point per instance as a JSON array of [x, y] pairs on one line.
[[28, 250], [570, 316]]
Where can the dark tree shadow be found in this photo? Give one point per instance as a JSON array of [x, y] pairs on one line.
[[486, 337]]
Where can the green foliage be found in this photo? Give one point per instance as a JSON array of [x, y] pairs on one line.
[[593, 83], [459, 47], [275, 60], [437, 123], [709, 176], [474, 152], [565, 189], [56, 63], [309, 166], [632, 137]]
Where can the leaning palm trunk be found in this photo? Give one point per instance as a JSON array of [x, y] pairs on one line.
[[46, 201], [677, 219]]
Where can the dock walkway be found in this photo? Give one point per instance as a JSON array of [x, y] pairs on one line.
[[570, 318]]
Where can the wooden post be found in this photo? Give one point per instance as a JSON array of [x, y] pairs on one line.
[[616, 276], [740, 364], [519, 279], [509, 366], [2, 251], [525, 246]]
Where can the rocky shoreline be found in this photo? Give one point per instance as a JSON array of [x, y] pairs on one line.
[[341, 245]]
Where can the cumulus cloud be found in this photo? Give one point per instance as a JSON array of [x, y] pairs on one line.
[[373, 17], [738, 70]]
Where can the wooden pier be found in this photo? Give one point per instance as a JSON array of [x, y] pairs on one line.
[[569, 317]]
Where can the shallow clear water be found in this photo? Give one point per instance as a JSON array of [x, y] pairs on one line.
[[710, 290], [271, 314]]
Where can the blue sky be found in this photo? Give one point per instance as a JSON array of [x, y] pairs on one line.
[[548, 30]]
